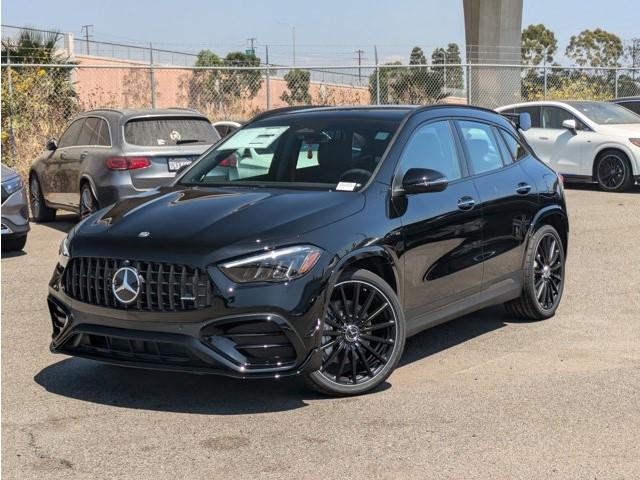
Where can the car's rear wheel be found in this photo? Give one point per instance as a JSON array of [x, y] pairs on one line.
[[39, 209], [613, 171], [543, 277], [364, 335], [14, 243], [88, 201]]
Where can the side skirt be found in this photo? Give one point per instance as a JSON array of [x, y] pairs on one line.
[[503, 291]]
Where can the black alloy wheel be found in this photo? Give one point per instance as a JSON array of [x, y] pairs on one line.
[[613, 172], [39, 209], [543, 281], [363, 335], [88, 202]]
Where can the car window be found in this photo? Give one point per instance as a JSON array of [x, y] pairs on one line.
[[634, 106], [552, 117], [70, 136], [99, 131], [167, 131], [481, 146], [432, 146], [515, 148], [533, 111]]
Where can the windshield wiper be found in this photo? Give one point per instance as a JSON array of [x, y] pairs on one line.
[[188, 140]]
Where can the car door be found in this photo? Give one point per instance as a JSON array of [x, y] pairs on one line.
[[70, 162], [566, 151], [508, 197], [442, 231], [54, 181]]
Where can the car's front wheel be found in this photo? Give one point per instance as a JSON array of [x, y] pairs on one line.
[[39, 209], [613, 171], [363, 336]]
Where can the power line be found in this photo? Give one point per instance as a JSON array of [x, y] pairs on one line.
[[359, 52], [86, 35]]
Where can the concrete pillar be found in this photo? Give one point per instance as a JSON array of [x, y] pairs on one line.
[[493, 30], [68, 44]]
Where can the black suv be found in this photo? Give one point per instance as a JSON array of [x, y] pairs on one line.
[[351, 229]]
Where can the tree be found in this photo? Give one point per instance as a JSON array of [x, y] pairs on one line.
[[632, 52], [224, 88], [539, 44], [454, 74], [595, 48], [298, 82]]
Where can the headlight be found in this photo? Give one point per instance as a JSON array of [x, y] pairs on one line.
[[12, 185], [64, 247], [278, 265], [635, 141]]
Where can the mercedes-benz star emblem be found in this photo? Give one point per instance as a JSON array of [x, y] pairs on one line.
[[126, 285]]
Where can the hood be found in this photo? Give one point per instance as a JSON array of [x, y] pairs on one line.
[[7, 173], [627, 130], [202, 225]]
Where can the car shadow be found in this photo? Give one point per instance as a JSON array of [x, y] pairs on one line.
[[214, 395], [63, 223], [593, 187], [14, 253]]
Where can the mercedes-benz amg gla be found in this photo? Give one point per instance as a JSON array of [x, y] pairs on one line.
[[365, 226]]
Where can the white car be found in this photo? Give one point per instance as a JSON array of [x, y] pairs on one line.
[[226, 127], [585, 141]]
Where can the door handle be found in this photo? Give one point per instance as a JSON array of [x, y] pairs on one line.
[[83, 155], [523, 188], [466, 203], [63, 155], [543, 138]]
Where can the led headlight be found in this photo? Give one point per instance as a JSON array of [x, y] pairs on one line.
[[278, 265], [13, 185], [64, 247]]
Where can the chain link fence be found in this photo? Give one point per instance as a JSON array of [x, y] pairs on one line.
[[39, 100]]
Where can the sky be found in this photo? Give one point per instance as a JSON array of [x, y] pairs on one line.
[[327, 31]]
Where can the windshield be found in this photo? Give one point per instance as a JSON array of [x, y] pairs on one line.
[[606, 113], [169, 131], [304, 152]]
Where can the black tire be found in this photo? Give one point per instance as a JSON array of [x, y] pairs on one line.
[[14, 243], [613, 171], [88, 201], [544, 270], [39, 210], [361, 304]]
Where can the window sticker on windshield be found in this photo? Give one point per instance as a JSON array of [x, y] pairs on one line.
[[346, 186], [254, 138], [382, 135]]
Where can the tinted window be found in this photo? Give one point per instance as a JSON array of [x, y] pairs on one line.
[[158, 132], [552, 117], [606, 113], [482, 146], [533, 111], [432, 146], [516, 149], [70, 136], [634, 106]]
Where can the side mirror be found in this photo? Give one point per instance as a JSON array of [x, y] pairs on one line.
[[423, 180], [524, 121], [570, 124], [51, 144]]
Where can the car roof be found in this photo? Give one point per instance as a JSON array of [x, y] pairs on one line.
[[625, 99], [128, 113]]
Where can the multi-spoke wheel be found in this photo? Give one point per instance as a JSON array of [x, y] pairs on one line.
[[363, 335], [543, 276], [88, 202], [39, 209], [613, 171]]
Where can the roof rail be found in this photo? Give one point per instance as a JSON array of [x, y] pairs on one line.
[[184, 108], [105, 109]]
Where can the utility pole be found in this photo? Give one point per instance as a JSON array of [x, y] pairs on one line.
[[252, 50], [375, 53], [86, 28], [293, 32], [359, 52], [268, 74]]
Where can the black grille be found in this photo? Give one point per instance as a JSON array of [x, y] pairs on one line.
[[163, 286], [133, 350]]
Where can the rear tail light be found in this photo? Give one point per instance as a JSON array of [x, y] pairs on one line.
[[230, 161], [127, 163]]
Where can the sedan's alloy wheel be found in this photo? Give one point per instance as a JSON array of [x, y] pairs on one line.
[[360, 333], [548, 271]]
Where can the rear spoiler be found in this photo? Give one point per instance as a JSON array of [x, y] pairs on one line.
[[522, 121]]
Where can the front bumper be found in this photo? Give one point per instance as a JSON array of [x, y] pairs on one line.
[[232, 338], [15, 214]]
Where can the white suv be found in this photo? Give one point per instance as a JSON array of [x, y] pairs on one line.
[[585, 141]]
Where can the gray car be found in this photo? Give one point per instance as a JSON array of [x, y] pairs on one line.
[[15, 213], [107, 155]]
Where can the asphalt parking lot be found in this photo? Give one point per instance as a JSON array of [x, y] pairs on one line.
[[484, 396]]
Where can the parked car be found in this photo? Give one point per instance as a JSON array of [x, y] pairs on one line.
[[632, 103], [226, 127], [107, 155], [15, 211], [585, 141], [319, 270]]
